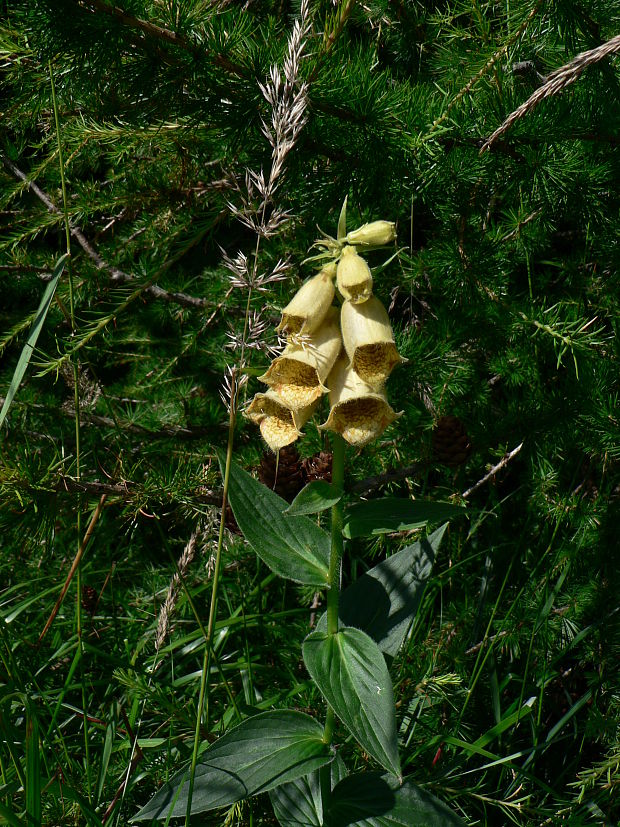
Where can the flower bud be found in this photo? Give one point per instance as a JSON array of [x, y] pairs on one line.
[[298, 374], [278, 424], [369, 341], [308, 307], [375, 234], [359, 412], [353, 276]]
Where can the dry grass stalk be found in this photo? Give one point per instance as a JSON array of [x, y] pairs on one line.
[[183, 564], [556, 82]]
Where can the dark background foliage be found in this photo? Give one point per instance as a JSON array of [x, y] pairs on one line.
[[504, 298]]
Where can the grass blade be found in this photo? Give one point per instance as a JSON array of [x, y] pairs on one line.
[[33, 773], [36, 328]]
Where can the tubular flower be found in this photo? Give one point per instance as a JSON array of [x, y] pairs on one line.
[[279, 425], [375, 234], [353, 277], [359, 412], [369, 341], [308, 307], [298, 375]]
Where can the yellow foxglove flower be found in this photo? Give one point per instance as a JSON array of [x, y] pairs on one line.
[[298, 375], [353, 276], [369, 341], [359, 412], [309, 306], [375, 234], [278, 424]]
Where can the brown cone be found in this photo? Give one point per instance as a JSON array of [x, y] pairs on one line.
[[318, 467], [451, 445], [282, 472]]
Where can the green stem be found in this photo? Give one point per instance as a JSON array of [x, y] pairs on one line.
[[206, 665], [76, 405], [333, 593]]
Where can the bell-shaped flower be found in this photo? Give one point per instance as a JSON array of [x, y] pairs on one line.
[[359, 412], [309, 306], [299, 374], [369, 341], [375, 234], [353, 277], [278, 424]]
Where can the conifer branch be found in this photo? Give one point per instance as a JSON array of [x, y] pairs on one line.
[[127, 490], [136, 22], [116, 275], [556, 82], [158, 33], [484, 70]]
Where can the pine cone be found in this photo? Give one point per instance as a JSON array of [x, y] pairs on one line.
[[90, 598], [282, 472], [318, 467], [451, 445]]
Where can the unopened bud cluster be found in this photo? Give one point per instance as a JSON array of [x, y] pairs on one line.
[[347, 351]]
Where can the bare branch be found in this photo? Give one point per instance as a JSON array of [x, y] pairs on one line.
[[501, 464]]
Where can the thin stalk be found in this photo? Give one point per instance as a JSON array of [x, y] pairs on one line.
[[333, 593], [76, 405], [206, 666], [338, 448]]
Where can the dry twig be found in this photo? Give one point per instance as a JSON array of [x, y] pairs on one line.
[[501, 464], [74, 565]]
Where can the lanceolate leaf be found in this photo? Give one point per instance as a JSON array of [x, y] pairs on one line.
[[395, 514], [261, 753], [350, 671], [383, 602], [314, 497], [370, 799], [293, 547], [342, 220], [299, 803], [31, 342]]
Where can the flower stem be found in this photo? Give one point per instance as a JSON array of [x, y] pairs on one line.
[[333, 593]]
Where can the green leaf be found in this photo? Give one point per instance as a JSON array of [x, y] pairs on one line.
[[293, 547], [35, 330], [299, 803], [395, 514], [350, 671], [254, 757], [369, 799], [342, 220], [384, 601], [314, 497]]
